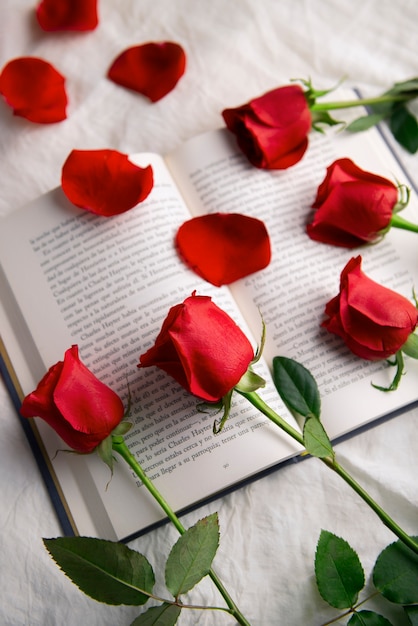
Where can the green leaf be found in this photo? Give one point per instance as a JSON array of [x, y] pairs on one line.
[[106, 571], [315, 438], [405, 87], [164, 615], [365, 122], [404, 127], [412, 613], [368, 618], [191, 557], [395, 574], [296, 386], [338, 571]]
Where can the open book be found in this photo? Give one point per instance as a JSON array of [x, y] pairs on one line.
[[106, 284]]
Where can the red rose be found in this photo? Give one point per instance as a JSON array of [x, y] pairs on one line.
[[78, 406], [34, 89], [374, 321], [105, 182], [54, 15], [272, 130], [202, 348], [354, 207], [153, 69]]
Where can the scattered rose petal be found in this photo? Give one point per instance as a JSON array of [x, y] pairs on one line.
[[105, 181], [54, 15], [152, 69], [223, 247], [34, 89]]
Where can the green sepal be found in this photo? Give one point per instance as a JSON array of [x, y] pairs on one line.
[[404, 195], [368, 618], [410, 347], [250, 381], [338, 571], [323, 117], [163, 615], [105, 452], [226, 402], [395, 574], [312, 94], [260, 347], [107, 571], [191, 557], [296, 387], [122, 428], [399, 363]]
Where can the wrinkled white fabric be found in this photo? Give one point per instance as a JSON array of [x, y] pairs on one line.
[[236, 50]]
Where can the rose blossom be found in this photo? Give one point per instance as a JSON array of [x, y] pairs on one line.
[[374, 321], [202, 348], [354, 207], [272, 130], [78, 406]]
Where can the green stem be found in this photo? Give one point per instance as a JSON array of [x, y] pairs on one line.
[[399, 222], [388, 521], [347, 104], [119, 446], [256, 401]]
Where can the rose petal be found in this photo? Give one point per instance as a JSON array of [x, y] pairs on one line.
[[224, 247], [54, 15], [105, 181], [152, 69], [34, 89]]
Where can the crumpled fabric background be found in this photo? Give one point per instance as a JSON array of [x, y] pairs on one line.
[[236, 50]]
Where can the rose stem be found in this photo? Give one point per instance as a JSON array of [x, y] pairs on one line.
[[400, 222], [256, 401], [119, 445], [346, 104]]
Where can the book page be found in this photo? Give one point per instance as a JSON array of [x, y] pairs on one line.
[[107, 284], [303, 275]]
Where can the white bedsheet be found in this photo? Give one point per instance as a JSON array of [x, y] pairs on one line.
[[236, 50]]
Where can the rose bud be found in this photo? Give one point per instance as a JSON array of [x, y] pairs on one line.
[[272, 130], [374, 321], [79, 407], [354, 207], [202, 348]]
